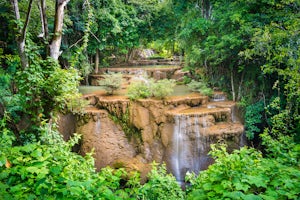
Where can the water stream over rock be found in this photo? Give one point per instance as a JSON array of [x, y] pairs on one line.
[[177, 131], [196, 128]]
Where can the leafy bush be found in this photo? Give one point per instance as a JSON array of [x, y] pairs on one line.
[[253, 118], [201, 87], [111, 82], [145, 88], [163, 88], [138, 90], [244, 174], [160, 185], [49, 170]]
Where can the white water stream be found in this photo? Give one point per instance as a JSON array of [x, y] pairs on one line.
[[98, 125], [188, 148]]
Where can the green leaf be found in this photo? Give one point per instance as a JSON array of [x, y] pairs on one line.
[[258, 181], [233, 195], [36, 153], [2, 160], [56, 170], [251, 197], [207, 186], [241, 186]]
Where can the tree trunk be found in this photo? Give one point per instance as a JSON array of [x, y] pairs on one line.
[[240, 86], [97, 61], [44, 22], [232, 85], [58, 26], [205, 9], [22, 32]]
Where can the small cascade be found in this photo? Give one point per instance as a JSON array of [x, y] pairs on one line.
[[98, 124], [147, 53], [196, 128], [234, 116], [188, 147], [179, 148], [219, 96]]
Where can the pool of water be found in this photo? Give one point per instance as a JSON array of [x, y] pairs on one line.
[[145, 66], [178, 90], [90, 89]]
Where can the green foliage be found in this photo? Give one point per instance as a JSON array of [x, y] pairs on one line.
[[44, 86], [201, 87], [111, 82], [138, 90], [164, 49], [10, 101], [31, 95], [163, 88], [253, 118], [49, 170], [160, 185], [245, 174], [124, 121], [145, 88]]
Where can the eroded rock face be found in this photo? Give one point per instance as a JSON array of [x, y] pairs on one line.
[[67, 125], [108, 140], [196, 121]]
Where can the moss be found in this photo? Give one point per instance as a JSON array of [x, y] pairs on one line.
[[129, 129]]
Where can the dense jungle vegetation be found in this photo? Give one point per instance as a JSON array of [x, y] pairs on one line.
[[248, 48]]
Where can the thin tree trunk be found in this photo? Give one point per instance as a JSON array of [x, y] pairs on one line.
[[240, 86], [232, 85], [42, 8], [97, 61], [58, 26], [42, 34], [205, 8], [22, 32]]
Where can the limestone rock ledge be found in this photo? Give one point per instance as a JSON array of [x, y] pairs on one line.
[[207, 122]]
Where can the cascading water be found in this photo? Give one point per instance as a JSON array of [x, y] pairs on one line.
[[219, 97], [188, 149], [98, 124]]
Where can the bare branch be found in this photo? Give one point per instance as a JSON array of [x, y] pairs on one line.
[[23, 36], [95, 36], [75, 43]]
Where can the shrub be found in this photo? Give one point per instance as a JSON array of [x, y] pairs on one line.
[[139, 89], [145, 88], [50, 170], [111, 82], [253, 118], [244, 174], [163, 88], [201, 87], [161, 185]]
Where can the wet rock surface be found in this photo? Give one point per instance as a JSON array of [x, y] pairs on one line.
[[177, 130]]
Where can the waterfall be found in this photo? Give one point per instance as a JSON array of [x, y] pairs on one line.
[[98, 125], [178, 146], [219, 97], [188, 149], [148, 53]]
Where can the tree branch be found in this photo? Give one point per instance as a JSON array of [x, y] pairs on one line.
[[23, 36], [58, 26]]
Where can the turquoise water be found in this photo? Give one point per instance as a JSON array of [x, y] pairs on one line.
[[178, 90], [146, 66], [90, 89]]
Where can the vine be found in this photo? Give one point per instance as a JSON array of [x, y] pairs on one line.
[[129, 129]]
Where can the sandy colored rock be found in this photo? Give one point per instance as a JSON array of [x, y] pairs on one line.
[[106, 138]]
